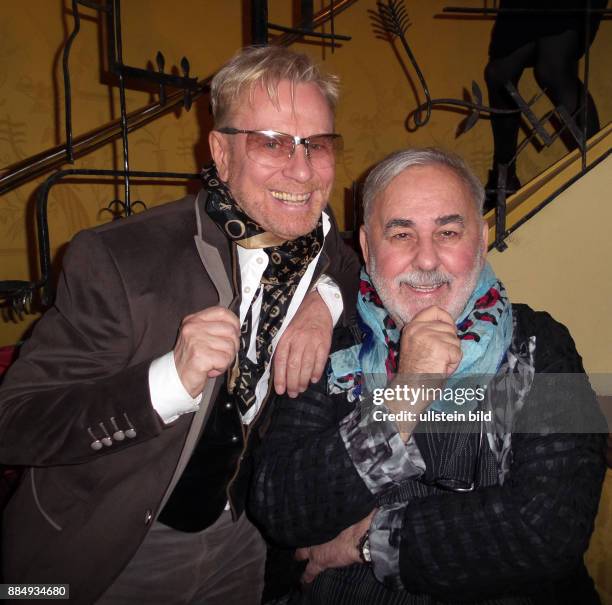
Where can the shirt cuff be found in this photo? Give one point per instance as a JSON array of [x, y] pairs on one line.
[[385, 537], [377, 450], [168, 395], [330, 293]]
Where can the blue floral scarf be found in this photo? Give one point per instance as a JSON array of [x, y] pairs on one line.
[[485, 331]]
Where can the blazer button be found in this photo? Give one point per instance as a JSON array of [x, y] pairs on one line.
[[234, 438], [148, 517]]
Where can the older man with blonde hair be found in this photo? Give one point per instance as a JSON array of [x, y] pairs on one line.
[[137, 402]]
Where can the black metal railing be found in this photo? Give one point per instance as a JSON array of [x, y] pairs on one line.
[[392, 18], [24, 171], [19, 294]]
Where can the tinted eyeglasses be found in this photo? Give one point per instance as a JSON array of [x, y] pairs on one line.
[[274, 149]]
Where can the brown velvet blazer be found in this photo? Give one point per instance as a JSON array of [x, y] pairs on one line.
[[79, 514]]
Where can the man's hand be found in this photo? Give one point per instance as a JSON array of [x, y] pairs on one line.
[[343, 550], [207, 344], [429, 344], [302, 351], [430, 352]]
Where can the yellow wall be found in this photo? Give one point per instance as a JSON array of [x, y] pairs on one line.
[[558, 261], [569, 277], [598, 559], [377, 97]]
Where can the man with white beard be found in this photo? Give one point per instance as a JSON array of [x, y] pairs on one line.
[[392, 508]]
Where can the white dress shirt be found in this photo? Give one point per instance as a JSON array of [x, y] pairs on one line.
[[168, 395]]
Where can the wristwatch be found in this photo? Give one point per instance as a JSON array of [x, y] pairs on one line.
[[364, 548]]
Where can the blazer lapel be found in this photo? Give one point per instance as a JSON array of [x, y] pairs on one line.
[[216, 255], [214, 251]]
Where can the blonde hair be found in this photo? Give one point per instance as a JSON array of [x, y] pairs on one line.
[[266, 66]]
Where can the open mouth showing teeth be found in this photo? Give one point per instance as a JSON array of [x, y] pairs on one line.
[[294, 198], [425, 289]]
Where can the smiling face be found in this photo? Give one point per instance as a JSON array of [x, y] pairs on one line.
[[425, 243], [285, 201]]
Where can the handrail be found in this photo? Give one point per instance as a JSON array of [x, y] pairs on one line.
[[534, 195], [22, 172]]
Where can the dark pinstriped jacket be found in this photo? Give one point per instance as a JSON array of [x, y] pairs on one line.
[[524, 529]]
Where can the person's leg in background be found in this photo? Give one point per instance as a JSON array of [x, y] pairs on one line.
[[556, 71], [505, 128]]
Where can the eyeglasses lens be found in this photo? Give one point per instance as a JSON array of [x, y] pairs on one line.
[[274, 150]]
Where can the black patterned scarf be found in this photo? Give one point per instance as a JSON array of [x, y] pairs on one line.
[[287, 263]]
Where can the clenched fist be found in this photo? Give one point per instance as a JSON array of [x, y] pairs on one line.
[[206, 346], [429, 344]]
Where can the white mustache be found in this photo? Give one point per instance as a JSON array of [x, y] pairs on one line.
[[423, 279]]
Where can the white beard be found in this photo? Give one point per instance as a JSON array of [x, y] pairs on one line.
[[399, 312]]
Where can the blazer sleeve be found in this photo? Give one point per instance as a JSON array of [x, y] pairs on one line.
[[74, 372], [498, 540], [343, 268]]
